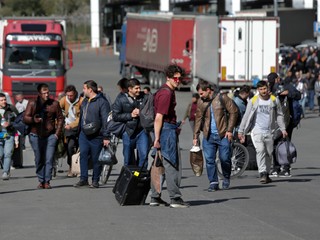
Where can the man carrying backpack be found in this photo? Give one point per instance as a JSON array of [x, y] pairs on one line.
[[126, 108], [289, 98]]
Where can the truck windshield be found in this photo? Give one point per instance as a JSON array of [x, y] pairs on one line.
[[34, 57]]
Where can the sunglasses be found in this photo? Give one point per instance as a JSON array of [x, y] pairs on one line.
[[177, 79]]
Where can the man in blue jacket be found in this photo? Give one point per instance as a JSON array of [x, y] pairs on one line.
[[93, 132]]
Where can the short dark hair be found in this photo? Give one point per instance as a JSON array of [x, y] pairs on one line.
[[132, 82], [147, 88], [3, 95], [92, 84], [245, 89], [123, 83], [204, 85], [70, 88], [262, 84], [42, 85], [173, 69]]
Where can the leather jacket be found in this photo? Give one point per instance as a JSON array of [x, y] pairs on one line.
[[223, 125], [51, 114]]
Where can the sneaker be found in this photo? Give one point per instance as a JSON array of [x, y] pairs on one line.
[[178, 203], [213, 187], [5, 176], [40, 186], [225, 183], [81, 183], [155, 202], [274, 173], [94, 185], [47, 186], [284, 173]]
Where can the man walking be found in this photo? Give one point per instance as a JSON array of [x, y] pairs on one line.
[[7, 132], [126, 108], [93, 132], [286, 93], [44, 115], [262, 117], [166, 137], [217, 131], [70, 104]]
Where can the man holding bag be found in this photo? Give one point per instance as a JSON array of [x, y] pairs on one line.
[[70, 104], [93, 132]]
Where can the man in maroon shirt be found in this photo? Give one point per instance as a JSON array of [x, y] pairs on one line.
[[166, 137]]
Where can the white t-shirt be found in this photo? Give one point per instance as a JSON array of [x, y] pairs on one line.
[[22, 106], [262, 124]]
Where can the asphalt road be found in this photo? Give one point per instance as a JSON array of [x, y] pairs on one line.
[[288, 208]]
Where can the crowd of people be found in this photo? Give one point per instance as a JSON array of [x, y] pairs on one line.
[[81, 120]]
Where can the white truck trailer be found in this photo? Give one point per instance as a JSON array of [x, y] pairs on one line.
[[233, 51]]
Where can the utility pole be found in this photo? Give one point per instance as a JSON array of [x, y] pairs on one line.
[[95, 23]]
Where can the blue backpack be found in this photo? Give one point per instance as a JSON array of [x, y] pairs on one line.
[[296, 113]]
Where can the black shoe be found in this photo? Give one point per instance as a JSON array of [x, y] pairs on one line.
[[94, 185], [285, 173], [264, 178], [81, 183], [155, 202], [178, 203]]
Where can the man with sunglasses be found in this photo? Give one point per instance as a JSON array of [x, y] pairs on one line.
[[166, 137]]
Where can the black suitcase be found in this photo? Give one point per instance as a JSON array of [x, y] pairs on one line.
[[132, 186]]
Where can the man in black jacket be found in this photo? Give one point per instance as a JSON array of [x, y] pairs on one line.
[[126, 108], [286, 93], [93, 132]]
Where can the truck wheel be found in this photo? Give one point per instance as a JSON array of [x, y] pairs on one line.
[[162, 79], [156, 80], [151, 78]]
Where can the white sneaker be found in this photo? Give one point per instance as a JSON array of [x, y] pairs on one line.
[[5, 176]]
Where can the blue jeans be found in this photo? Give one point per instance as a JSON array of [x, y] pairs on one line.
[[210, 148], [44, 149], [90, 148], [302, 101], [141, 143], [311, 99], [6, 150]]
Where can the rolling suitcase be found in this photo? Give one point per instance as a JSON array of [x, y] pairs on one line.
[[132, 186]]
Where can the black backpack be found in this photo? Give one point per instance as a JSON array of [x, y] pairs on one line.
[[20, 126]]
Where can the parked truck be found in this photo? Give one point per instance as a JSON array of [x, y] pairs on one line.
[[154, 41], [33, 51], [232, 51]]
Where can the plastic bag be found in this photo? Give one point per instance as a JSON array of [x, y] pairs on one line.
[[107, 156]]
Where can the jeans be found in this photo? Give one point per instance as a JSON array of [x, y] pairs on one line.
[[311, 99], [263, 143], [141, 142], [44, 149], [302, 101], [210, 147], [90, 148], [6, 150], [71, 145]]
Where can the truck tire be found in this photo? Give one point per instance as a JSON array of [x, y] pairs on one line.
[[151, 79], [162, 79]]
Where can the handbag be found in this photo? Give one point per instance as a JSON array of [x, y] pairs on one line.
[[107, 156], [157, 172], [196, 160], [116, 128], [286, 152], [91, 128], [75, 163]]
